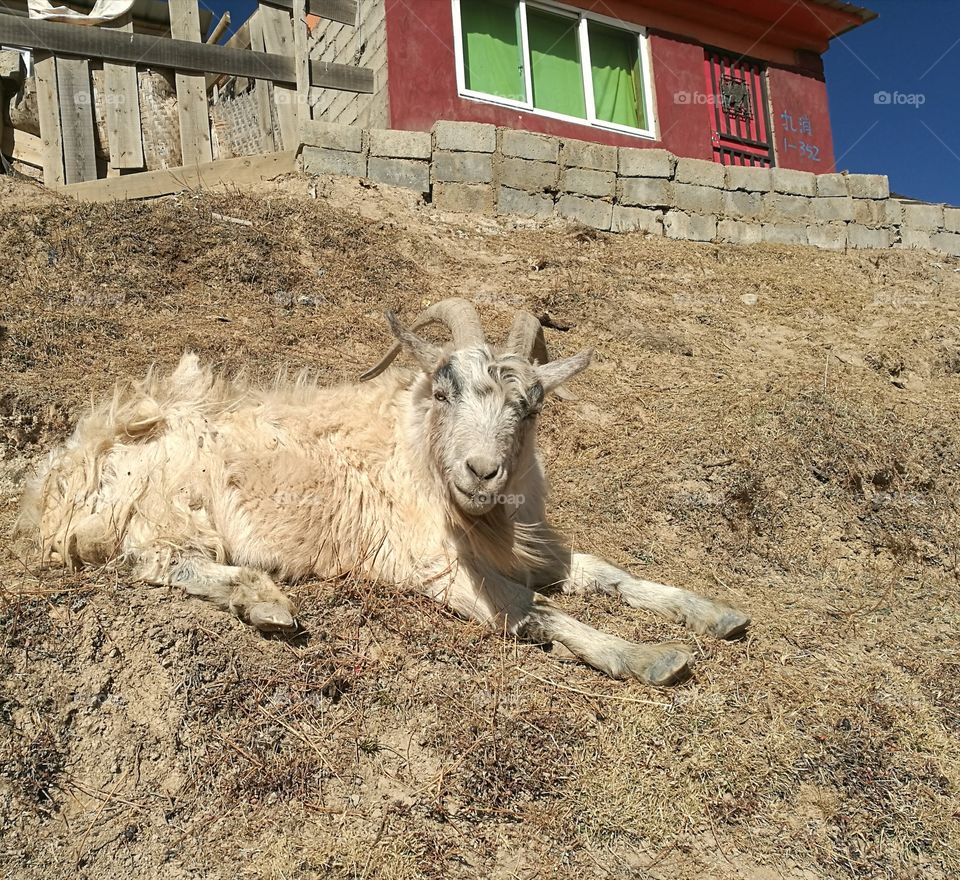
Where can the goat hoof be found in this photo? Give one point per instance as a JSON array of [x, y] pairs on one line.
[[671, 667], [731, 625], [271, 617]]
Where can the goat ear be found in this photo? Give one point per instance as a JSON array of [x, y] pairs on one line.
[[426, 353], [555, 373]]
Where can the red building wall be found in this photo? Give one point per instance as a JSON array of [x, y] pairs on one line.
[[422, 84], [801, 121]]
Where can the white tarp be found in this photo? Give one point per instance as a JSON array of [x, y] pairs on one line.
[[103, 11]]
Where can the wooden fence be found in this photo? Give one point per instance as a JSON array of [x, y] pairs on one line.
[[64, 55]]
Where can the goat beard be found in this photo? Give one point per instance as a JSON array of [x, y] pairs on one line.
[[497, 539]]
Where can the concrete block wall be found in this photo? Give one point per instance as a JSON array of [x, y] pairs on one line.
[[478, 168], [362, 46]]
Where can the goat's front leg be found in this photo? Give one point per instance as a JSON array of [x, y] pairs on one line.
[[248, 593], [509, 606], [590, 574], [583, 573]]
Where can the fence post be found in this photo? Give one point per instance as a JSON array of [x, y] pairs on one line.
[[191, 89], [122, 107], [304, 112]]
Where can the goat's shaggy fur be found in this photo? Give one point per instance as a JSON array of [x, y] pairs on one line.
[[426, 478]]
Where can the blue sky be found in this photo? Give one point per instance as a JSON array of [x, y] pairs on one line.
[[912, 54]]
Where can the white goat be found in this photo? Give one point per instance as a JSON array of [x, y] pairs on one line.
[[429, 479]]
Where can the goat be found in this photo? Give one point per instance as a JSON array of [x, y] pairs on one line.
[[429, 479]]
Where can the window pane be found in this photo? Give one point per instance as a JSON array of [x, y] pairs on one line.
[[491, 48], [555, 63], [616, 76]]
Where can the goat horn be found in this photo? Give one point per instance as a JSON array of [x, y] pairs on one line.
[[526, 339], [458, 315]]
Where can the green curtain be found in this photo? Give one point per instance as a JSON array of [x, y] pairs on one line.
[[616, 76], [491, 48], [555, 63]]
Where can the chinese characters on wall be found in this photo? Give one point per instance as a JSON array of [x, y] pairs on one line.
[[798, 136]]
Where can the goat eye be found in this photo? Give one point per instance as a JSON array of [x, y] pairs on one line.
[[440, 395]]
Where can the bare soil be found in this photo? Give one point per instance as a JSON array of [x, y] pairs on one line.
[[774, 426]]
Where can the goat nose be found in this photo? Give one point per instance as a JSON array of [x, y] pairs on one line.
[[483, 468]]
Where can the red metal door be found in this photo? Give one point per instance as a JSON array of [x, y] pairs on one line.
[[741, 130]]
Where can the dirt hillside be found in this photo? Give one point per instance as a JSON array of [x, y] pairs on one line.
[[778, 427]]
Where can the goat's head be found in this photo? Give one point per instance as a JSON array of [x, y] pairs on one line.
[[479, 404]]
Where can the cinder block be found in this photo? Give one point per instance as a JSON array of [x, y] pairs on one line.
[[951, 219], [408, 173], [870, 212], [832, 185], [742, 205], [524, 204], [868, 186], [701, 172], [524, 145], [581, 154], [677, 224], [948, 242], [738, 232], [637, 220], [634, 162], [893, 212], [697, 199], [829, 238], [863, 237], [649, 192], [780, 207], [929, 218], [317, 160], [531, 176], [915, 239], [749, 179], [791, 182], [587, 182], [590, 212], [467, 198], [468, 137], [12, 67], [784, 233], [332, 136], [453, 167], [831, 208], [396, 144]]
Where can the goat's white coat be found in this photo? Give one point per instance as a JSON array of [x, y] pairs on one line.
[[210, 483]]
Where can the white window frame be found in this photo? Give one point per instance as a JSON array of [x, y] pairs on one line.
[[583, 16]]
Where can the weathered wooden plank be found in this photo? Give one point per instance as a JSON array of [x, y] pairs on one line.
[[122, 107], [48, 111], [195, 146], [276, 28], [270, 138], [344, 11], [149, 51], [233, 173], [303, 60], [219, 30], [28, 148], [75, 94]]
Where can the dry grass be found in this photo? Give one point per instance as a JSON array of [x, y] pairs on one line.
[[796, 454]]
